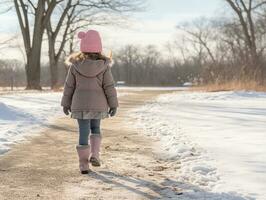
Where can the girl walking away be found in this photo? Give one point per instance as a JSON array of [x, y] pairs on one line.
[[90, 95]]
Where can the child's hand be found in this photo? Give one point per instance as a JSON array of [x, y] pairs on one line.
[[66, 110], [112, 111]]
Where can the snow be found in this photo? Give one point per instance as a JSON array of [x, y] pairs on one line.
[[26, 113], [139, 89], [219, 139]]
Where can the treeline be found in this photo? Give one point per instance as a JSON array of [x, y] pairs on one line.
[[12, 74], [135, 65], [150, 66]]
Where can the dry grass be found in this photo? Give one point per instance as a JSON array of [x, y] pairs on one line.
[[231, 86]]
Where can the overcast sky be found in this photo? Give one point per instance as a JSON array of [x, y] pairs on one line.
[[155, 25]]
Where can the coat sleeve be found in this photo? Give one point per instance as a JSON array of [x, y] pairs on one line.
[[69, 88], [109, 88]]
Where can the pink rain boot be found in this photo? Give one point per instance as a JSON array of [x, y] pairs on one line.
[[95, 141], [83, 153]]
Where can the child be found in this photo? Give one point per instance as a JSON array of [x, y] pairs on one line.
[[88, 94]]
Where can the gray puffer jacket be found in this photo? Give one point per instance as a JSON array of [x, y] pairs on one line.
[[89, 86]]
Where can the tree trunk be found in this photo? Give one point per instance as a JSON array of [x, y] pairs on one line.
[[53, 61], [33, 67], [53, 71]]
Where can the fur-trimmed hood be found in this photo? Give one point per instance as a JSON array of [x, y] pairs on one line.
[[91, 68], [88, 67]]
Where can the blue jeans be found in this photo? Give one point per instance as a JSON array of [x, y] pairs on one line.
[[85, 127]]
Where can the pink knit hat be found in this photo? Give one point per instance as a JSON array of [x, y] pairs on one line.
[[90, 41]]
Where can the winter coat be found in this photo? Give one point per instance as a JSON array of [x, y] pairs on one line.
[[89, 86]]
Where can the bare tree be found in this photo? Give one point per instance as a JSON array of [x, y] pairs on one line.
[[245, 11], [67, 11], [200, 37], [200, 32], [32, 36]]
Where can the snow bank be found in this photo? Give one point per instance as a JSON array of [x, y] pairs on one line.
[[23, 114], [219, 138]]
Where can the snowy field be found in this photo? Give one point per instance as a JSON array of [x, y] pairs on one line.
[[220, 139]]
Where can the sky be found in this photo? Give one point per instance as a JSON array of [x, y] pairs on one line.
[[155, 25]]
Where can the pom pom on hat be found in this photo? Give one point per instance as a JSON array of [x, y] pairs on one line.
[[81, 35]]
